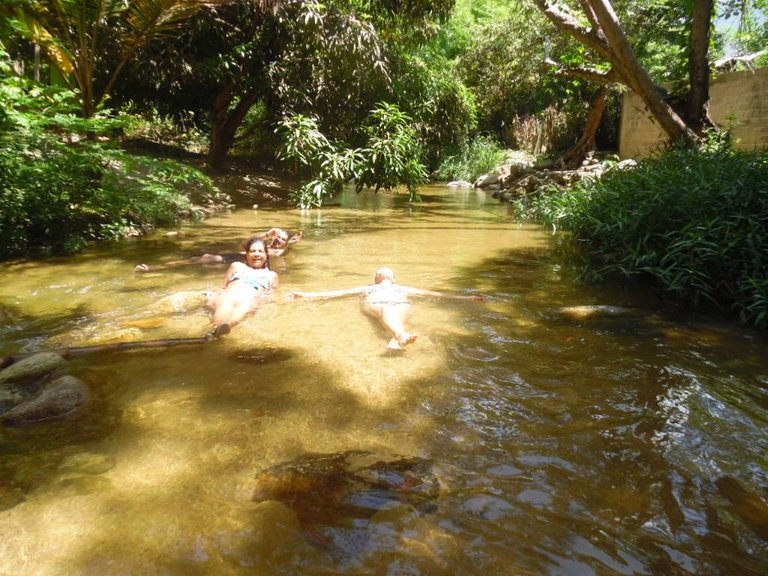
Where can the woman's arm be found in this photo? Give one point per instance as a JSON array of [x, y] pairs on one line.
[[233, 268], [329, 293]]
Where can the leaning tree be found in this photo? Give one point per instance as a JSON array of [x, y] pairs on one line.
[[596, 26]]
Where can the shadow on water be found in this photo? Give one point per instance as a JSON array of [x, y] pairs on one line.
[[590, 445]]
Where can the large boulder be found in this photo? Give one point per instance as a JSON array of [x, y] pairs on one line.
[[9, 397], [61, 398], [595, 312], [335, 489], [183, 301], [32, 368]]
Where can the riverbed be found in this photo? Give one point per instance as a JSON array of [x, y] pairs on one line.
[[624, 444]]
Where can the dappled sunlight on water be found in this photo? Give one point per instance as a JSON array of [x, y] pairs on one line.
[[629, 445]]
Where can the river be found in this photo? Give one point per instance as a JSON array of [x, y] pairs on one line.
[[629, 445]]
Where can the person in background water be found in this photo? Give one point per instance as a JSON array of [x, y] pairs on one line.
[[245, 285], [388, 302], [279, 240]]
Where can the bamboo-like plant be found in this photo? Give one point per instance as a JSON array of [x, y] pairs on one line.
[[91, 41]]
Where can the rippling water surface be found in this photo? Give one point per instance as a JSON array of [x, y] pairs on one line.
[[629, 445]]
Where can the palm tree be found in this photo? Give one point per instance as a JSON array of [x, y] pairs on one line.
[[91, 41]]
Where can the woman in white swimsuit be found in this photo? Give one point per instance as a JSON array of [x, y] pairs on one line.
[[388, 302], [245, 284]]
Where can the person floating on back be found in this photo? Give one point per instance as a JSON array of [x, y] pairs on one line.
[[245, 286], [388, 302]]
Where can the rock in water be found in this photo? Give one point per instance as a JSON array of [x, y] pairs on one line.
[[336, 489], [32, 367], [59, 399], [594, 312]]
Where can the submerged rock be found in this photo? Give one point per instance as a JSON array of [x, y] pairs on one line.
[[336, 489], [87, 463], [59, 399], [32, 367], [9, 397], [591, 312], [183, 301]]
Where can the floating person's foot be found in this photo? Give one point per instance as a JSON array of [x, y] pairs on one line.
[[142, 268], [406, 338], [393, 345]]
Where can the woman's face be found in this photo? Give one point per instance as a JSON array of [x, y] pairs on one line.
[[256, 257]]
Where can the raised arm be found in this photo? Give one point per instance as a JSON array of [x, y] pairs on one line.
[[329, 293]]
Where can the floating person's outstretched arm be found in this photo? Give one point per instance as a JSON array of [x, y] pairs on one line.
[[419, 292], [328, 293]]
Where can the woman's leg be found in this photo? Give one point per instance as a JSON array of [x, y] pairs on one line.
[[232, 304]]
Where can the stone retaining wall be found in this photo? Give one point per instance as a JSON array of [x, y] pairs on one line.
[[739, 100]]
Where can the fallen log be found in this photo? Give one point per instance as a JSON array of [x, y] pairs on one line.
[[82, 350]]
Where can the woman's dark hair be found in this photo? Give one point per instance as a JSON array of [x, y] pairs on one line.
[[250, 242]]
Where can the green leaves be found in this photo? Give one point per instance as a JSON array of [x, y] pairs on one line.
[[58, 193], [391, 158], [91, 41], [479, 157], [693, 221]]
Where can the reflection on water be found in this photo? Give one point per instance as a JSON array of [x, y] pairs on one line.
[[615, 446]]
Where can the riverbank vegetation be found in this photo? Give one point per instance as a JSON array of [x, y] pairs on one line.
[[65, 183], [692, 222], [382, 94]]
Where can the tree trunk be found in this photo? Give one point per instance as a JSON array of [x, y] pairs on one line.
[[608, 40], [586, 144], [226, 122], [697, 108], [637, 77]]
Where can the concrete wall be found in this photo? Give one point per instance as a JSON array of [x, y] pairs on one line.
[[739, 100]]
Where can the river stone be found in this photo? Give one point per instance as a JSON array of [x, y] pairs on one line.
[[336, 489], [9, 397], [592, 312], [184, 301], [59, 399], [87, 463], [32, 367]]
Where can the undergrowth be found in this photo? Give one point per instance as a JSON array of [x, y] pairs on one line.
[[693, 221]]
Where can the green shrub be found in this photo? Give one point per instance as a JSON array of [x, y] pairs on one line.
[[694, 221], [60, 189], [480, 156], [391, 157]]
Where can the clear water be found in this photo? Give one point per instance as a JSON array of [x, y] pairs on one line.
[[622, 446]]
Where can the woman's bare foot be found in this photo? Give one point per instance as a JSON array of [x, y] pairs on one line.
[[222, 330]]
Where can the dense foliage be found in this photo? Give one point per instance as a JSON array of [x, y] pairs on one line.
[[59, 190], [480, 156], [89, 42], [391, 157], [696, 222]]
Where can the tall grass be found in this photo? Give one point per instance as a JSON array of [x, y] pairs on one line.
[[480, 156], [696, 222]]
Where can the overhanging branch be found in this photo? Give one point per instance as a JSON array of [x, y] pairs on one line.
[[603, 77]]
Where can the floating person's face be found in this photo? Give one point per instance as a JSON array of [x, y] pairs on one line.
[[256, 256], [383, 274]]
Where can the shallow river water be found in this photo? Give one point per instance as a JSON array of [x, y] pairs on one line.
[[550, 445]]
